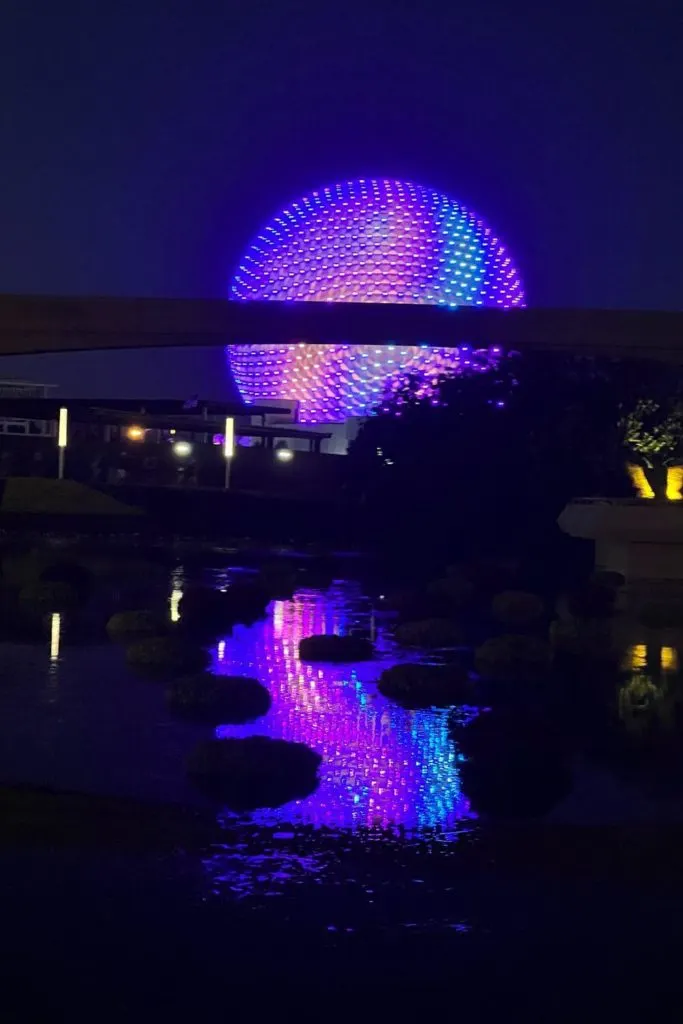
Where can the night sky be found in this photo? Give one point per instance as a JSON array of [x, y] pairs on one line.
[[144, 143]]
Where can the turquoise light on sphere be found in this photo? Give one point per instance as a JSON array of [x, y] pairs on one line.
[[369, 240]]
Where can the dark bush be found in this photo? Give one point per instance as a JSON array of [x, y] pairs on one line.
[[39, 598], [331, 647], [254, 772], [167, 657], [527, 784], [492, 733], [434, 633], [219, 700], [662, 615], [513, 657], [127, 626], [423, 686], [517, 608], [608, 578], [72, 573], [455, 591], [587, 639], [20, 623], [489, 576], [517, 762], [592, 601]]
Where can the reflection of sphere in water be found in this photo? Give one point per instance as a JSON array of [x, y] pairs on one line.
[[365, 241], [381, 764]]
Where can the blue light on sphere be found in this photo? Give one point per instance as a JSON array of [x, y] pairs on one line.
[[370, 240]]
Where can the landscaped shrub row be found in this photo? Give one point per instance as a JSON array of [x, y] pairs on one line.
[[218, 700], [254, 772], [333, 648], [423, 686]]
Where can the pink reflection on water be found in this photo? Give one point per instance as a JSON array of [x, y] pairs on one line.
[[382, 765]]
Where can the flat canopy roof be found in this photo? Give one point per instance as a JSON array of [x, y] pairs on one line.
[[193, 424], [81, 411], [48, 408]]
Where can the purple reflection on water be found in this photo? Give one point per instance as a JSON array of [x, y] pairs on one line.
[[382, 765]]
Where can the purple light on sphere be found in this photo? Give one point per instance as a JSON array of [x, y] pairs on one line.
[[366, 241]]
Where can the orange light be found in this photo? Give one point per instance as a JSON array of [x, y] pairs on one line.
[[135, 433]]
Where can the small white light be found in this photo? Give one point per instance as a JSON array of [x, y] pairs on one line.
[[284, 454], [182, 449]]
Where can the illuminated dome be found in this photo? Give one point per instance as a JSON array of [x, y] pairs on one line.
[[365, 241]]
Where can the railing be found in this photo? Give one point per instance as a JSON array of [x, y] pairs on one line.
[[652, 503]]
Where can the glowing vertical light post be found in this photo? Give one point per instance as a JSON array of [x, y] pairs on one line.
[[228, 447], [55, 635], [62, 431]]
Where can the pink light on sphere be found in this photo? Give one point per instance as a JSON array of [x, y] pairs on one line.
[[368, 240]]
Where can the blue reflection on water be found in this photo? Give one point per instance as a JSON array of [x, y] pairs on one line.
[[382, 765]]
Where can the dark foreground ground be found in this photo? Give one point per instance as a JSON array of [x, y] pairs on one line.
[[137, 911]]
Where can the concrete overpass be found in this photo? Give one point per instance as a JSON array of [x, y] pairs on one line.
[[37, 324]]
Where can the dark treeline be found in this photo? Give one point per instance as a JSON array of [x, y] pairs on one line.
[[489, 468]]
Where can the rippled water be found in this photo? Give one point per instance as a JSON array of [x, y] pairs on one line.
[[372, 852], [382, 765], [74, 716]]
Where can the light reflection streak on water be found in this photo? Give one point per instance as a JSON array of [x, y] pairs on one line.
[[382, 766], [176, 596]]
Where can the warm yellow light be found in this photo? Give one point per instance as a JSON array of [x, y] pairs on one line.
[[176, 598], [182, 449], [674, 483], [640, 481], [55, 635], [135, 433], [62, 428], [668, 659], [636, 657], [229, 438]]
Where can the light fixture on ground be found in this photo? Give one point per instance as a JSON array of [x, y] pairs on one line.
[[182, 449], [135, 433], [283, 453], [62, 432], [228, 447]]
